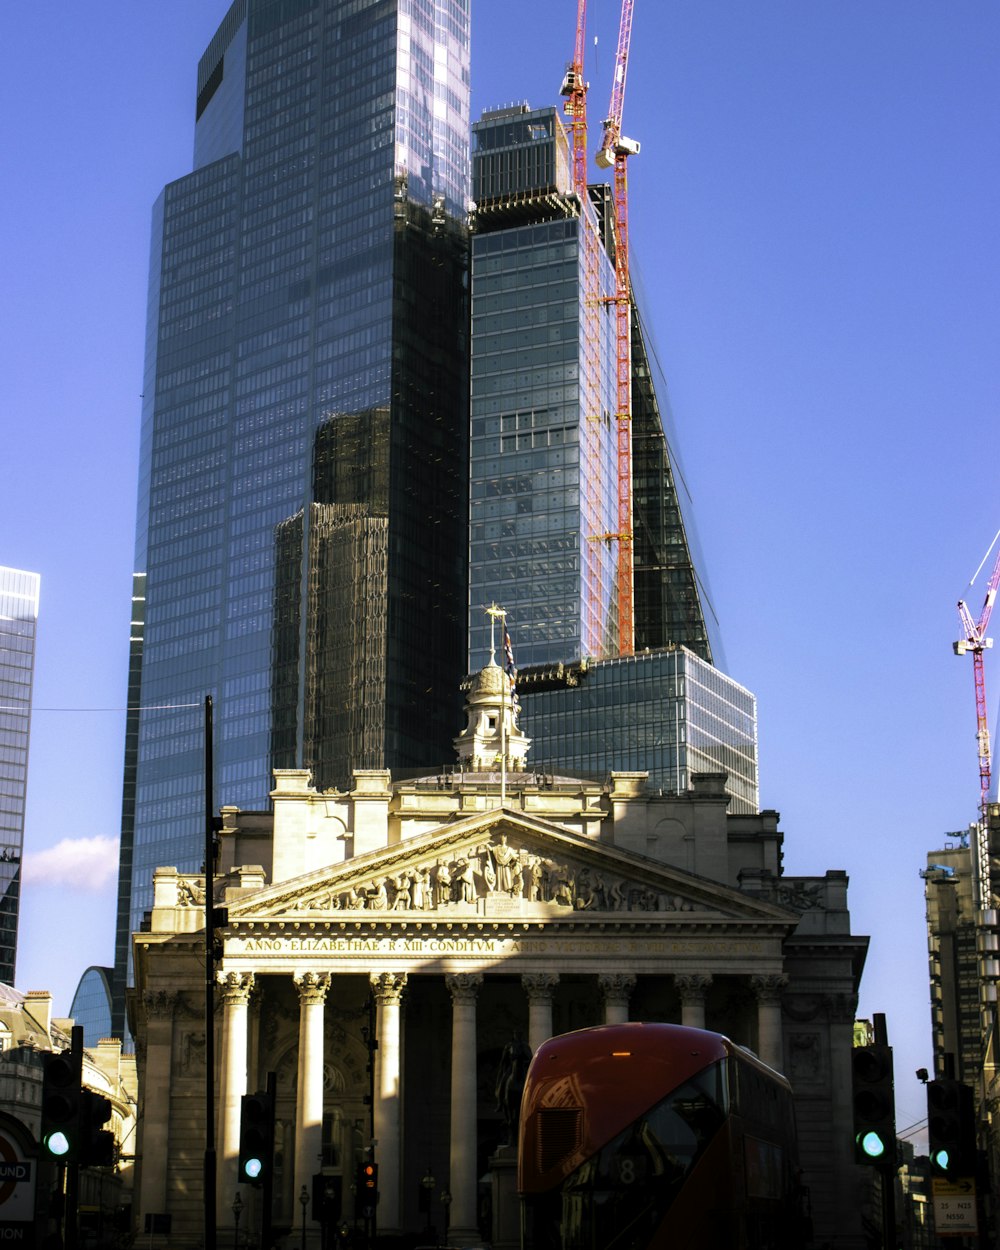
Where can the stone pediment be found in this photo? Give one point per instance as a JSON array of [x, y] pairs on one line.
[[502, 865]]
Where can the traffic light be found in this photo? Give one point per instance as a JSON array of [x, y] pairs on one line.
[[327, 1197], [951, 1128], [256, 1138], [874, 1105], [367, 1189], [62, 1106], [97, 1144]]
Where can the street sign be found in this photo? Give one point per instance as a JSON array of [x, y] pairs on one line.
[[954, 1206], [17, 1189]]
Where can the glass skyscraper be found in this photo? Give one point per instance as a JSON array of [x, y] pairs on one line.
[[18, 624], [303, 497], [543, 397], [543, 487], [544, 473]]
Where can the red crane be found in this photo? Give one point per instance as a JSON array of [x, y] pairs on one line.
[[574, 88], [615, 150], [975, 640]]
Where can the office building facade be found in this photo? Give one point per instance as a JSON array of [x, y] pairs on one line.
[[953, 956], [19, 593], [544, 446], [665, 712], [308, 277], [544, 481]]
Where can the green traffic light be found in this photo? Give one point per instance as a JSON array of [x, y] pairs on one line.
[[57, 1144], [872, 1145], [941, 1159], [253, 1168]]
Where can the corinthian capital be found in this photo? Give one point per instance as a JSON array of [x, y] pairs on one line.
[[388, 986], [312, 987], [159, 1003], [539, 984], [235, 986], [692, 987], [616, 986], [768, 986], [463, 986]]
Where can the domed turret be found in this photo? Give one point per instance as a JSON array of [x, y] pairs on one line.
[[491, 730]]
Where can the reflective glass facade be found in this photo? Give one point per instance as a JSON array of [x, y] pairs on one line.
[[18, 623], [543, 489], [91, 1008], [666, 712], [543, 446], [543, 510], [311, 270]]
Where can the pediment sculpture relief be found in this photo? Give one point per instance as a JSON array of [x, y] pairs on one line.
[[494, 875]]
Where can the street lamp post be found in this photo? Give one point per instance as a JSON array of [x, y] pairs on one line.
[[428, 1182], [237, 1212], [446, 1207], [304, 1199]]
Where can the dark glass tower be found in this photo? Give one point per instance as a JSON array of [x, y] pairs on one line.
[[543, 489], [305, 425], [544, 474], [18, 625]]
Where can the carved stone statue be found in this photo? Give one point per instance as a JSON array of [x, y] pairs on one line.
[[510, 1083], [465, 881], [442, 885], [507, 862]]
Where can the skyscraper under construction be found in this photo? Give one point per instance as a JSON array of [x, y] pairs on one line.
[[544, 488], [302, 518]]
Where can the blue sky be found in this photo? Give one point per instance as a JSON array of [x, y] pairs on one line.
[[813, 214]]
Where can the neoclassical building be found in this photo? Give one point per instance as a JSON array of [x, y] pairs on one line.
[[383, 945]]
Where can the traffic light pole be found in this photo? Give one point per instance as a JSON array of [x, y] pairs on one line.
[[265, 1219], [72, 1206], [887, 1168], [210, 857]]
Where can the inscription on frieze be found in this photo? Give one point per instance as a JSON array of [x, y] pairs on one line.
[[498, 947], [502, 905]]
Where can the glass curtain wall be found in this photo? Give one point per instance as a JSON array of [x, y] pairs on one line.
[[19, 592], [313, 268]]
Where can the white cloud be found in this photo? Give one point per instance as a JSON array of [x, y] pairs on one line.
[[87, 864]]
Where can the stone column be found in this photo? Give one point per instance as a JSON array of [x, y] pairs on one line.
[[155, 1123], [769, 1045], [616, 988], [312, 987], [464, 987], [235, 990], [388, 990], [692, 989], [539, 986]]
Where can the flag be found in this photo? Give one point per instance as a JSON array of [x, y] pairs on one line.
[[508, 655]]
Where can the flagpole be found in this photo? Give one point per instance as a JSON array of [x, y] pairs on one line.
[[493, 611], [503, 723]]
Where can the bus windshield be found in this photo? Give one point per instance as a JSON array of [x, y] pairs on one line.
[[618, 1197]]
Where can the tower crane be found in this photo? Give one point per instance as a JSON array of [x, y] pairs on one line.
[[574, 88], [614, 151], [976, 641]]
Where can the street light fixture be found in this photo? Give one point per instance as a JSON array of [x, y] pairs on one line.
[[237, 1212], [304, 1199], [428, 1182]]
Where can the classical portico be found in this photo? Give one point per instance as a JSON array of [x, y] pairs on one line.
[[383, 946]]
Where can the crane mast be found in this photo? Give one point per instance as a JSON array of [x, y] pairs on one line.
[[614, 151], [975, 640], [574, 88]]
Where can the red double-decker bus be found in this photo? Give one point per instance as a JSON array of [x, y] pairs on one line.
[[648, 1136]]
